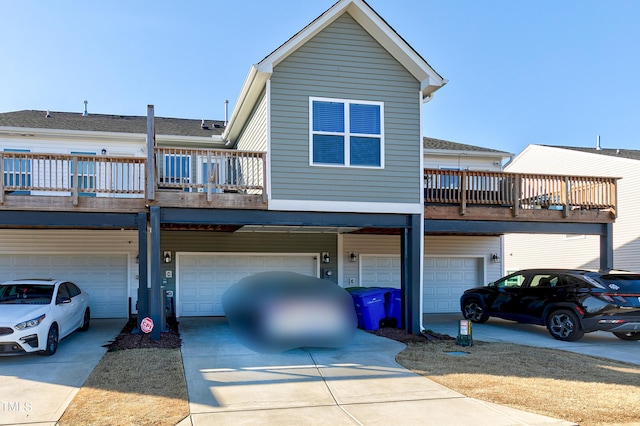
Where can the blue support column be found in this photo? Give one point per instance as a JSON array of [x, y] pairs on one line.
[[410, 242], [155, 294], [143, 292], [606, 247]]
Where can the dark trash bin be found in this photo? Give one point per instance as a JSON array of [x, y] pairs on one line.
[[370, 307], [394, 307]]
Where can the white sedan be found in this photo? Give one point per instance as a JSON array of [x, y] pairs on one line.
[[36, 314]]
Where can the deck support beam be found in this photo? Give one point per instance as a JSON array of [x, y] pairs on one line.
[[606, 247], [411, 270], [155, 294]]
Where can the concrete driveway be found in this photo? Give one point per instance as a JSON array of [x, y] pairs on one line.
[[36, 389], [600, 344], [229, 384]]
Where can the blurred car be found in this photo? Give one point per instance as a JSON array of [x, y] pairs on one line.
[[35, 314], [275, 311], [569, 303]]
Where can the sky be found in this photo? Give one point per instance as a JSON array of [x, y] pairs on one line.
[[520, 72]]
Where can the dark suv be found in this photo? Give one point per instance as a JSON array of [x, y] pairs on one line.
[[568, 302]]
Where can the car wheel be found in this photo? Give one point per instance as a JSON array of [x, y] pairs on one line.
[[564, 325], [629, 335], [52, 341], [474, 311], [86, 320]]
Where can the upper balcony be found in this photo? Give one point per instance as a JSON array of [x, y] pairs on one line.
[[208, 178], [198, 178], [477, 195]]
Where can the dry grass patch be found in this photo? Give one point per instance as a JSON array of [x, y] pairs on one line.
[[577, 388], [135, 386]]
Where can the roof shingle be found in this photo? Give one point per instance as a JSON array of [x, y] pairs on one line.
[[433, 143], [632, 154], [109, 123]]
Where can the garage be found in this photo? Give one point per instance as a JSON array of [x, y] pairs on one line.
[[204, 277], [444, 281], [444, 278], [380, 271], [103, 276]]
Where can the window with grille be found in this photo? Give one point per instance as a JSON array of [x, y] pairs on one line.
[[346, 133]]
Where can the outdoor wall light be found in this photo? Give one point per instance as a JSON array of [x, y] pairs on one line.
[[104, 151], [352, 257], [325, 257], [167, 257], [495, 258]]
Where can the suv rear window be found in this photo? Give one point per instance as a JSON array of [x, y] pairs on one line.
[[622, 283]]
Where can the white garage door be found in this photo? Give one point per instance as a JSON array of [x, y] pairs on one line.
[[444, 281], [103, 276], [203, 278], [380, 271]]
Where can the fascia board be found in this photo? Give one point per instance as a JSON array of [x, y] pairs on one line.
[[60, 134], [396, 46], [254, 83], [452, 153]]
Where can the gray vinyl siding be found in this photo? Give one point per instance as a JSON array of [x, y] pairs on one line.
[[254, 135], [245, 242], [343, 61]]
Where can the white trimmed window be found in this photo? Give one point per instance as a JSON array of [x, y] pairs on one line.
[[346, 133]]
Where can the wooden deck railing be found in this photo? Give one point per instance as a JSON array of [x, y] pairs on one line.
[[519, 190], [190, 170], [60, 174], [210, 170]]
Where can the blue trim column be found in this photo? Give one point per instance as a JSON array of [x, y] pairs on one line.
[[143, 292], [410, 242], [155, 295], [606, 246]]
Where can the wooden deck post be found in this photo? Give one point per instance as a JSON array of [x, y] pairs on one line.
[[76, 181], [151, 154], [567, 197], [516, 193], [1, 178]]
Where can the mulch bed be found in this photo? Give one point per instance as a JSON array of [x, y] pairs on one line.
[[403, 336], [130, 338]]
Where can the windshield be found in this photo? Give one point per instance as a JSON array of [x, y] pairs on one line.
[[629, 284], [32, 294]]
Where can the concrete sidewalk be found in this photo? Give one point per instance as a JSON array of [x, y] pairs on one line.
[[360, 384]]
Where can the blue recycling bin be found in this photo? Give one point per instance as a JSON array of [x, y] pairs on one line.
[[370, 306], [394, 306]]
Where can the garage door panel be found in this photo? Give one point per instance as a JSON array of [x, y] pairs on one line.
[[103, 276], [444, 281], [204, 278]]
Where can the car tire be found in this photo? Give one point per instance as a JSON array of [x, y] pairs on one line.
[[564, 325], [52, 341], [629, 335], [473, 310], [86, 320]]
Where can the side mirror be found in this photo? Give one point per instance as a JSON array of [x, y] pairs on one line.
[[61, 300]]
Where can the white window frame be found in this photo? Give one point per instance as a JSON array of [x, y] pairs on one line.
[[347, 133]]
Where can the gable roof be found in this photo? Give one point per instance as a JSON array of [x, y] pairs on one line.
[[35, 119], [433, 145], [632, 154], [378, 28]]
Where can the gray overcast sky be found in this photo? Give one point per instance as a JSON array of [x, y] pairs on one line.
[[519, 72]]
